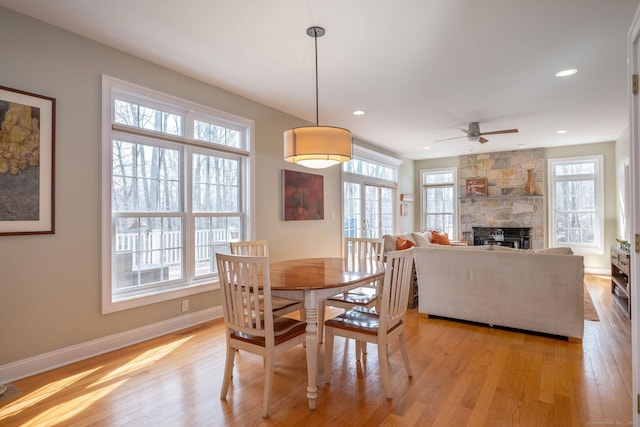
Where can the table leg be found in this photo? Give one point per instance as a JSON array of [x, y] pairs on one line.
[[311, 311]]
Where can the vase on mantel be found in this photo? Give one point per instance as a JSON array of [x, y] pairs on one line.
[[530, 186]]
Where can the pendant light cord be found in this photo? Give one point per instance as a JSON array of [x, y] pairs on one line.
[[315, 38], [316, 32]]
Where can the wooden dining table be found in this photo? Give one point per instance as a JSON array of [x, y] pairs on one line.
[[313, 280]]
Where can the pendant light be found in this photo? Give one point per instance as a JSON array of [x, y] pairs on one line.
[[317, 146]]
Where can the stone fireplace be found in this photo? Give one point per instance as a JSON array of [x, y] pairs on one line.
[[506, 203]]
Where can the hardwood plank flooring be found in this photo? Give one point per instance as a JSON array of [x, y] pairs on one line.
[[464, 375]]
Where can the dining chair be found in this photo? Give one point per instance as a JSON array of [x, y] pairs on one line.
[[356, 248], [249, 320], [378, 326], [281, 306]]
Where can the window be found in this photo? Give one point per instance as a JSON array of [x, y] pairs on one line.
[[439, 207], [576, 214], [369, 189], [175, 192]]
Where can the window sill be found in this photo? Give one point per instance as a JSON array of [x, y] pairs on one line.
[[109, 305], [524, 196]]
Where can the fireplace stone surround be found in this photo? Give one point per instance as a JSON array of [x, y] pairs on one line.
[[507, 204]]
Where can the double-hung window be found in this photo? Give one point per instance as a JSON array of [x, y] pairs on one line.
[[369, 190], [576, 214], [439, 201], [175, 192]]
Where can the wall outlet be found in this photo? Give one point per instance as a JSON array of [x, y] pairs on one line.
[[185, 305]]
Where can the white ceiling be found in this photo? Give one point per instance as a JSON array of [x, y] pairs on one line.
[[420, 69]]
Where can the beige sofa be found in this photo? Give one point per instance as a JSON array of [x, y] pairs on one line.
[[538, 291]]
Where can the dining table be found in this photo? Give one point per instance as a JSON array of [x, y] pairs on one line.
[[313, 280]]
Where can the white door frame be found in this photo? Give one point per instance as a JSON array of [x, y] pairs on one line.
[[633, 58]]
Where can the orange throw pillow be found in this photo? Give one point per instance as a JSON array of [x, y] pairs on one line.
[[440, 239], [404, 244]]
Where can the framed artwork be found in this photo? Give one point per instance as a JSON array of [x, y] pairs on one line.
[[476, 187], [27, 166], [303, 196], [404, 209]]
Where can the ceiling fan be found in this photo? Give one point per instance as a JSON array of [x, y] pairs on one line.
[[474, 132]]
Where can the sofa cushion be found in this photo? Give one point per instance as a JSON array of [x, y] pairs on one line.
[[499, 248], [422, 239], [440, 239], [563, 250], [391, 241], [475, 248], [403, 244], [461, 247]]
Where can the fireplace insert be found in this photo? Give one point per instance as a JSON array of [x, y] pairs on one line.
[[514, 237]]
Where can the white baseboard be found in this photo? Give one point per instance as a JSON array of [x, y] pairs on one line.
[[44, 362]]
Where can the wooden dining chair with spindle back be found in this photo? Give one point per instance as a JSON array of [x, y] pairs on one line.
[[356, 248], [249, 320], [378, 326]]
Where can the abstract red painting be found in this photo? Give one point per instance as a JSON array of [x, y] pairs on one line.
[[303, 195]]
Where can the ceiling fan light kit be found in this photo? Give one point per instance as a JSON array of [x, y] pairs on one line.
[[317, 147]]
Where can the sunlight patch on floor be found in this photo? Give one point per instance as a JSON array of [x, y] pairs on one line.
[[69, 408]]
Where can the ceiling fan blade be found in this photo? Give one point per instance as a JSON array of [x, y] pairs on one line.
[[474, 132], [496, 132], [447, 139]]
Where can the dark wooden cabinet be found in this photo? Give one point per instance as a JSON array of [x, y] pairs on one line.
[[620, 286]]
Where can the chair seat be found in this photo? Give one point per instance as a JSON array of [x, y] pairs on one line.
[[359, 319], [359, 297], [284, 329]]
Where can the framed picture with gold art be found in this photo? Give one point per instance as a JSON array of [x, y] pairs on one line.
[[27, 153]]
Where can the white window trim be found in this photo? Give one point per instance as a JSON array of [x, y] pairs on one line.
[[363, 153], [423, 202], [598, 248], [110, 86]]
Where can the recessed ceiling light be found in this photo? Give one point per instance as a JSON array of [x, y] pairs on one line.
[[562, 131], [358, 113], [520, 145], [427, 148], [565, 73]]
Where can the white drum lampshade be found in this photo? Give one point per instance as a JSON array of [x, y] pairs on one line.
[[317, 147]]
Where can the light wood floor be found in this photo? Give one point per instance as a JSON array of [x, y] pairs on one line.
[[464, 375]]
